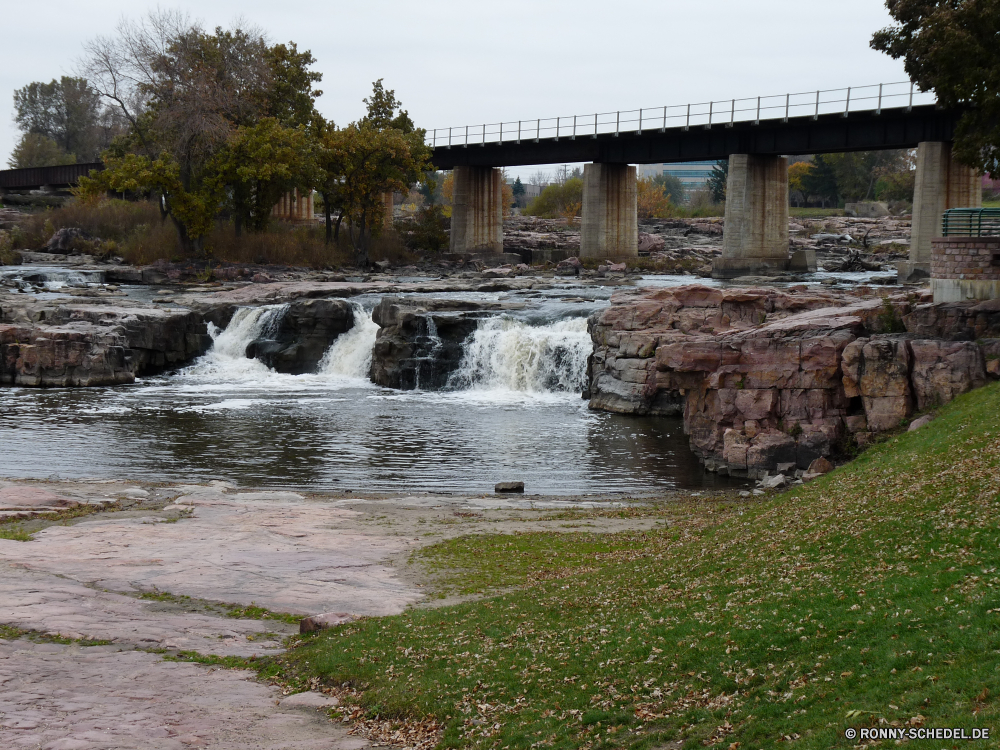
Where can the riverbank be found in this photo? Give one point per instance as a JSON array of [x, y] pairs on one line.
[[97, 607], [865, 598]]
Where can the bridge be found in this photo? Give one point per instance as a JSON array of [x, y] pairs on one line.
[[43, 178], [754, 134]]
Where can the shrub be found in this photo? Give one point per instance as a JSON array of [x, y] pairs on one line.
[[558, 200], [8, 255]]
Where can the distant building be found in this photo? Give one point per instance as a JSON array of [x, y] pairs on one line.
[[692, 174]]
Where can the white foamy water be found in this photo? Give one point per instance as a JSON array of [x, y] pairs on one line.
[[350, 356], [505, 354], [227, 361]]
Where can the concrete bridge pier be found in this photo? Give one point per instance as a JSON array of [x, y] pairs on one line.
[[609, 219], [755, 239], [477, 211], [941, 183]]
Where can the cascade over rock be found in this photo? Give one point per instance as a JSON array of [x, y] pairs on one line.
[[297, 341], [764, 377], [419, 342]]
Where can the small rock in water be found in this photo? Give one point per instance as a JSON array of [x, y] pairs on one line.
[[509, 487]]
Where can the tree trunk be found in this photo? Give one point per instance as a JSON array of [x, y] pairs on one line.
[[336, 229], [328, 216]]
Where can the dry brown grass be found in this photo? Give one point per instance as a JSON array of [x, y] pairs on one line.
[[135, 231]]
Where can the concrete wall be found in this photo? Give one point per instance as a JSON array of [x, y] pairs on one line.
[[941, 183], [477, 211], [609, 222], [755, 239]]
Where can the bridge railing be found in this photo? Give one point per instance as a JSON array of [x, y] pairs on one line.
[[725, 112]]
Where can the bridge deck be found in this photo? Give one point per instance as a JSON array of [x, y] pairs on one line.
[[902, 127]]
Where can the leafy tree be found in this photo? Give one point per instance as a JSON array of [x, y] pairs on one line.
[[216, 120], [717, 180], [558, 200], [821, 180], [652, 200], [381, 153], [857, 172], [672, 187], [259, 164], [291, 98], [69, 113], [896, 186], [37, 150], [797, 174], [950, 47]]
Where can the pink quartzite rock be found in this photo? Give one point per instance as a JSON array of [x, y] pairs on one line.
[[765, 376], [15, 496]]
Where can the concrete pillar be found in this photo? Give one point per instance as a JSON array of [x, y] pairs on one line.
[[477, 210], [755, 239], [610, 224], [941, 183]]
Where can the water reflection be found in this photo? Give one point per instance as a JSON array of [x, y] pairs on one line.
[[325, 435]]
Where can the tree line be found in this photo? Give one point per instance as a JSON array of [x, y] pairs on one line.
[[218, 124]]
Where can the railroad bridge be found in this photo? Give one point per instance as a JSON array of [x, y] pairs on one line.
[[754, 134]]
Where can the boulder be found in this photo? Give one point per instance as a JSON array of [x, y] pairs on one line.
[[919, 422], [321, 622], [69, 241], [303, 335], [820, 466], [419, 342], [503, 487], [569, 267]]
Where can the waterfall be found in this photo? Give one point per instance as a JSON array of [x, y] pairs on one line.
[[227, 359], [512, 355], [351, 354]]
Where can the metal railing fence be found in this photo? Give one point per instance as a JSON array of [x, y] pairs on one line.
[[727, 112], [971, 222]]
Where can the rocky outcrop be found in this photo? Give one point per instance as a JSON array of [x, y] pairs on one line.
[[419, 343], [302, 336], [766, 377], [86, 345]]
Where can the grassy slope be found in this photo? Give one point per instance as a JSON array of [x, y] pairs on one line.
[[869, 595]]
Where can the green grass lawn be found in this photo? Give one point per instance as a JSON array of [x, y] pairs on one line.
[[868, 597]]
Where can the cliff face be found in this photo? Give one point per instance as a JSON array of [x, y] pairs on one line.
[[765, 377]]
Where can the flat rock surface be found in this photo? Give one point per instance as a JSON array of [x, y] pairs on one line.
[[269, 548], [59, 697]]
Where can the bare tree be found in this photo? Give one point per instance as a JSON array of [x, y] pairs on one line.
[[540, 178]]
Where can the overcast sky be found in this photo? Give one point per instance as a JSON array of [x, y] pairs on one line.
[[453, 62]]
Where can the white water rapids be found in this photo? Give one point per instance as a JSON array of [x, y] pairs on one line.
[[503, 354], [512, 355]]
